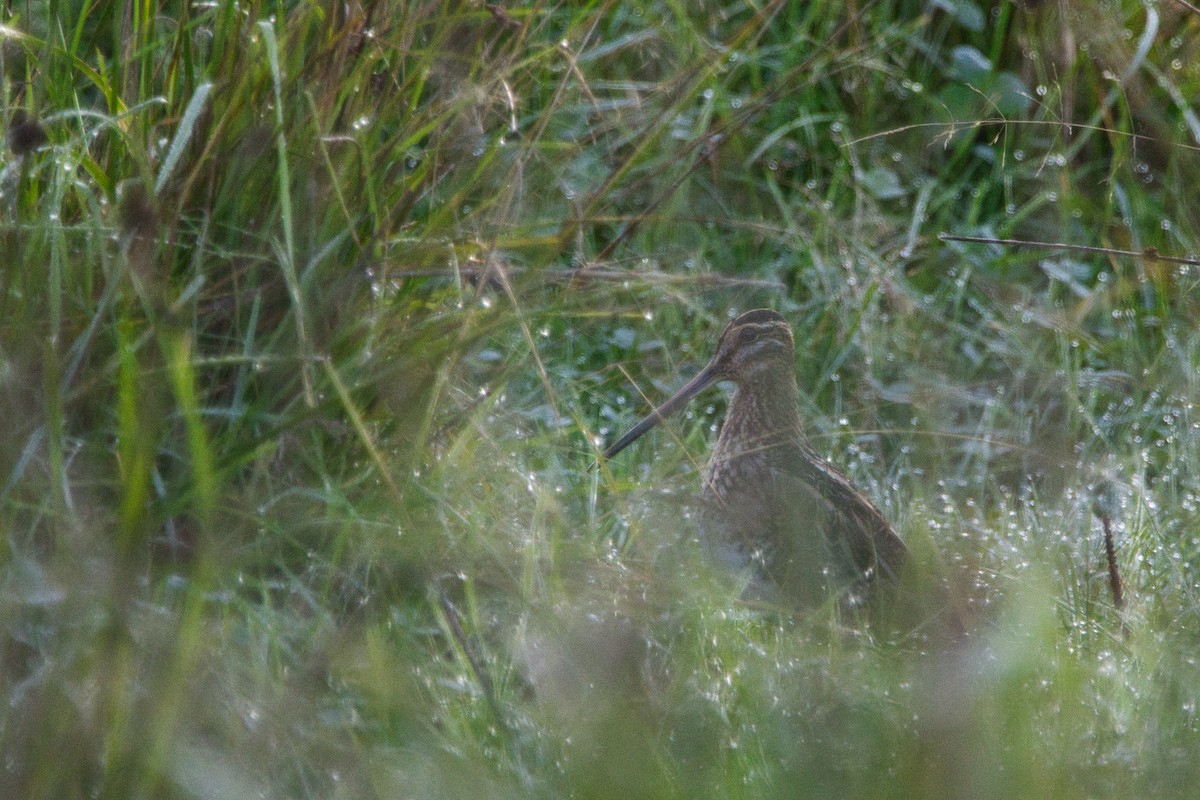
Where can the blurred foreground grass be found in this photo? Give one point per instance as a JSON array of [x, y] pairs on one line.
[[312, 316]]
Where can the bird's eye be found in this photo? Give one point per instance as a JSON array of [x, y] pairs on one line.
[[749, 335]]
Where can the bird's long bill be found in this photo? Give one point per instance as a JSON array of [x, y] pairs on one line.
[[705, 378]]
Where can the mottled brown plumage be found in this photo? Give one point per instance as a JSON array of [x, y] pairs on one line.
[[770, 501]]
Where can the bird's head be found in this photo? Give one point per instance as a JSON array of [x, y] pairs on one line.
[[756, 344], [753, 346]]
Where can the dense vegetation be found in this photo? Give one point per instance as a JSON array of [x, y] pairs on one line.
[[313, 318]]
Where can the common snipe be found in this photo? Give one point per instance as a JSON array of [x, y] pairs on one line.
[[770, 502]]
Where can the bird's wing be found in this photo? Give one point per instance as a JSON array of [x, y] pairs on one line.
[[851, 523]]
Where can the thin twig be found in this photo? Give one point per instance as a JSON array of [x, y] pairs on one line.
[[1104, 505], [1114, 575], [955, 125], [1150, 253], [454, 622]]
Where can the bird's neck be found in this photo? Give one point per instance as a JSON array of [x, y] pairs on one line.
[[762, 414]]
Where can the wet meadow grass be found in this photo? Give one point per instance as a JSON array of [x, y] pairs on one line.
[[314, 319]]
